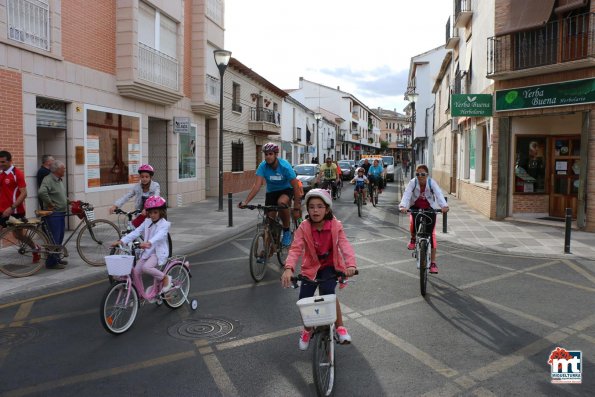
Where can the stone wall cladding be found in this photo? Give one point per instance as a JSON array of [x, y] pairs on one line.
[[89, 34], [234, 182], [477, 197], [11, 115], [530, 203]]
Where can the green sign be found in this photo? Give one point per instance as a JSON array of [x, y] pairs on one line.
[[547, 95], [471, 105]]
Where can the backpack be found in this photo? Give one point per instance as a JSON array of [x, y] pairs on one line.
[[429, 185]]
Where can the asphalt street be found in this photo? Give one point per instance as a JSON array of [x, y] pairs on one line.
[[485, 328]]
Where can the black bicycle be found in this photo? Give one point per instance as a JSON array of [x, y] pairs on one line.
[[423, 243]]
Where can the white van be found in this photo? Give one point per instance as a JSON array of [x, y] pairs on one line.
[[389, 163]]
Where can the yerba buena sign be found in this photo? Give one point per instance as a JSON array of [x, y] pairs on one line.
[[470, 105], [547, 95]]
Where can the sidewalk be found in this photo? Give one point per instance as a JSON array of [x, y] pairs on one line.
[[199, 226]]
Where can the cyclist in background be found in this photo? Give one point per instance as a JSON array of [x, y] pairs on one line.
[[321, 242], [423, 193], [360, 181], [281, 186], [329, 175], [375, 175], [141, 191]]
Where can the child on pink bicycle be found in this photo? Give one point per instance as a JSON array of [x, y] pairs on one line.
[[145, 188], [155, 245], [322, 258]]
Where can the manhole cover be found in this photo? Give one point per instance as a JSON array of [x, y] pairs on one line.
[[13, 336], [204, 328]]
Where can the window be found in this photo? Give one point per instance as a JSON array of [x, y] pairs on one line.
[[187, 154], [235, 98], [530, 162], [112, 142], [29, 22], [237, 156]]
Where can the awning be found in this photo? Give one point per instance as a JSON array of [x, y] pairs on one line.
[[468, 55], [527, 14], [569, 5]]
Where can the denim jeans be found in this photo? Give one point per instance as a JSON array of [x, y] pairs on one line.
[[56, 226]]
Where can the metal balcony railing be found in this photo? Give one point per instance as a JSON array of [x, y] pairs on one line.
[[157, 67], [266, 115], [29, 22], [462, 6], [569, 39]]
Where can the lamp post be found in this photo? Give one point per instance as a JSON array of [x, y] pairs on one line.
[[221, 59], [318, 117], [411, 96]]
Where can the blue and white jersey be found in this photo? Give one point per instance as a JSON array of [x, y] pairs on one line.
[[277, 179], [360, 181]]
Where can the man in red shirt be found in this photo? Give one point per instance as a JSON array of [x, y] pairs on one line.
[[13, 190]]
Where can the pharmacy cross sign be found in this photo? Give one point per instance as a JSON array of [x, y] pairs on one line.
[[471, 105]]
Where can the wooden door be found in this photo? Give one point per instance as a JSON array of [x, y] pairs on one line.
[[565, 168]]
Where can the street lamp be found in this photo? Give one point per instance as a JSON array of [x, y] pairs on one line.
[[318, 117], [221, 59], [411, 96]]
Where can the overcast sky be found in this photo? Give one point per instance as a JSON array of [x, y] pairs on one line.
[[362, 46]]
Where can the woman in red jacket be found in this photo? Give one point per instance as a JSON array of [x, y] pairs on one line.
[[326, 250]]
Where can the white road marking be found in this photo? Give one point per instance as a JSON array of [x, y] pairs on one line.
[[223, 381]]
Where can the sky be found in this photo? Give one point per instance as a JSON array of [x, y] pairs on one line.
[[364, 47]]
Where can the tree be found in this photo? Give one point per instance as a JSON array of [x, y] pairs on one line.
[[383, 145]]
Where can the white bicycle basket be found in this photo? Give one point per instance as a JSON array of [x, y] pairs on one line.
[[119, 265], [318, 310]]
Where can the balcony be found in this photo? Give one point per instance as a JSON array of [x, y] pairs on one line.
[[264, 121], [210, 106], [452, 36], [561, 45], [463, 13]]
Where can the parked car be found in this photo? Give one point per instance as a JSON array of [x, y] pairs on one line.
[[308, 174], [389, 165], [347, 170]]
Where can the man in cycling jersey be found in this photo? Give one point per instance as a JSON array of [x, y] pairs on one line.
[[281, 186], [329, 175], [375, 173]]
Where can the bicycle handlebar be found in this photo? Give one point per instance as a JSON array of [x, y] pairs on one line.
[[339, 276], [421, 211], [265, 207], [128, 214]]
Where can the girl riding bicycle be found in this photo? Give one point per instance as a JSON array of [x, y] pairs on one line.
[[156, 249], [360, 181], [326, 250], [145, 188], [423, 193]]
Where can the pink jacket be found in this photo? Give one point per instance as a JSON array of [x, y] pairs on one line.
[[303, 242]]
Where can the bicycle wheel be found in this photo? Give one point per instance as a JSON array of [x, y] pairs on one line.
[[23, 251], [375, 196], [259, 256], [338, 192], [180, 276], [93, 241], [323, 362], [117, 314], [423, 266], [359, 204]]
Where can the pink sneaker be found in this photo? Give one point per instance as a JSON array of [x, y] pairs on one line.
[[433, 268], [305, 339], [411, 245], [343, 336]]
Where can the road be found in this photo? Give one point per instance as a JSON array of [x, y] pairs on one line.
[[486, 328]]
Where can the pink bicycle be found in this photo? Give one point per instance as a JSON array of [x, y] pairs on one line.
[[124, 296]]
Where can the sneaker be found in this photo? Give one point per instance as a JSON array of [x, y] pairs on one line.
[[433, 268], [286, 240], [168, 286], [305, 339], [411, 245], [56, 266], [148, 292], [343, 336]]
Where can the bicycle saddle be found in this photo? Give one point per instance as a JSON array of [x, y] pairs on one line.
[[42, 213]]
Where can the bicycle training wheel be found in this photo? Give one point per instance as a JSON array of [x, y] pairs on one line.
[[93, 241], [180, 277], [259, 256], [22, 251], [359, 204], [323, 362], [423, 266], [118, 308]]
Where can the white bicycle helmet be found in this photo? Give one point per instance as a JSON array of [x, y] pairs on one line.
[[322, 194]]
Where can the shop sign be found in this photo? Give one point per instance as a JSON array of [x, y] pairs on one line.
[[471, 105], [547, 95], [181, 125]]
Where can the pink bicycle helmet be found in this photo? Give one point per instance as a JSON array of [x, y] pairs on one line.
[[322, 194], [155, 202], [270, 147], [146, 168]]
